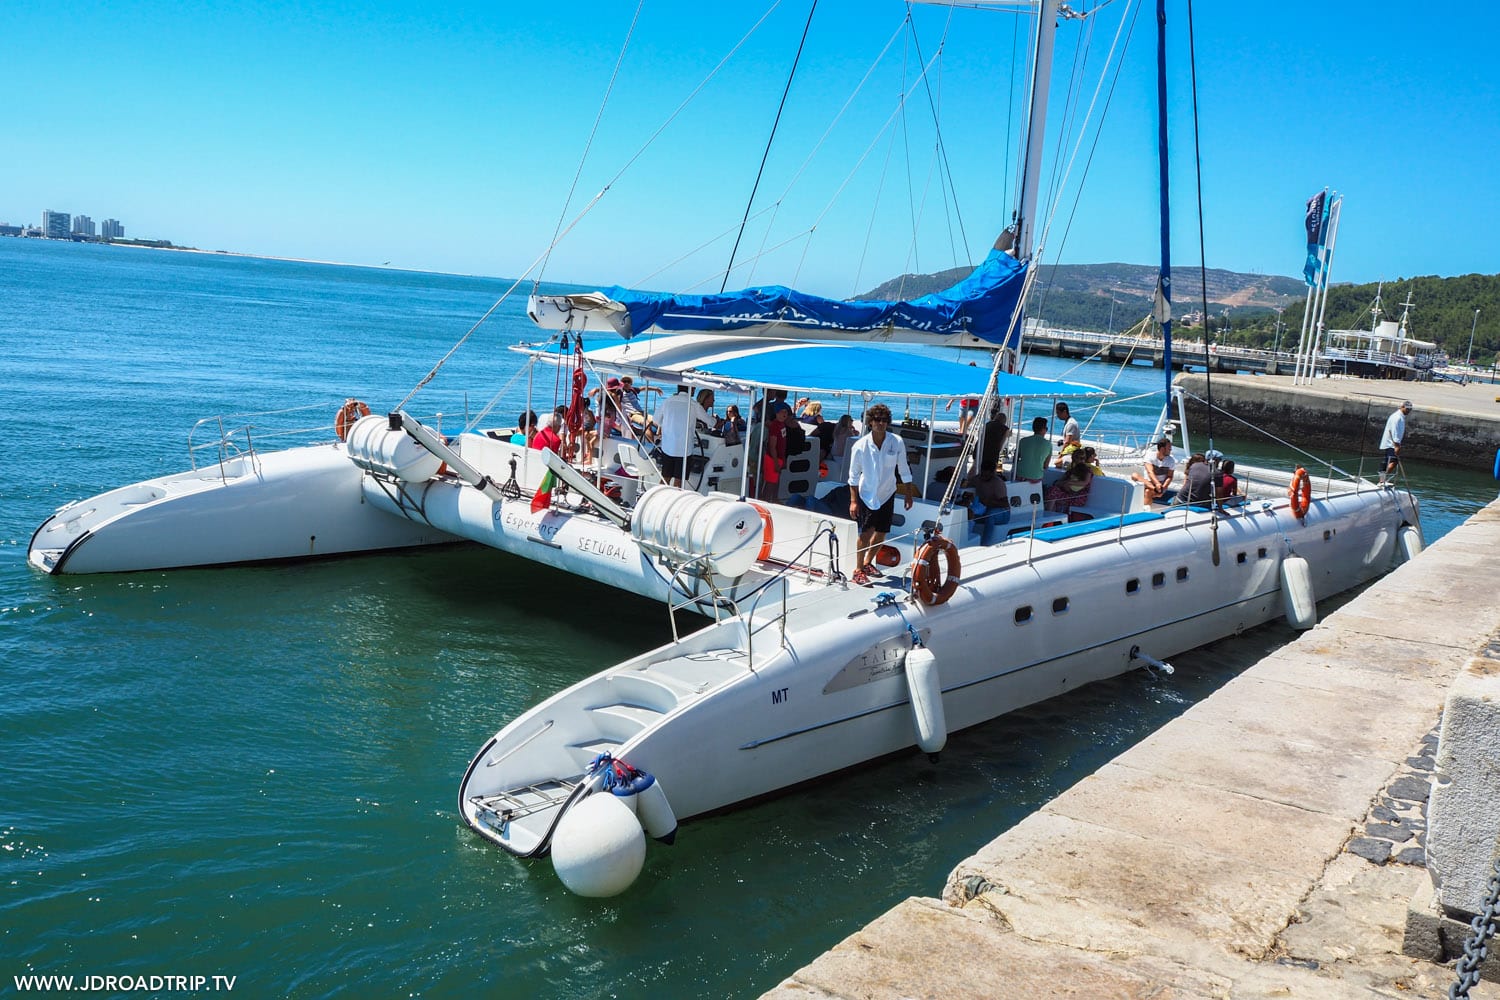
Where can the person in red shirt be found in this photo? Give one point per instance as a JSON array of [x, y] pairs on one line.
[[548, 437]]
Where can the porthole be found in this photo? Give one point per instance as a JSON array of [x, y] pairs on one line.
[[1059, 605], [1241, 557], [1023, 615], [1181, 573], [1260, 553], [1133, 585], [1158, 579]]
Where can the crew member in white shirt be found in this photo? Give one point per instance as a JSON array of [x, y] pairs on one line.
[[678, 418], [1390, 440], [877, 465]]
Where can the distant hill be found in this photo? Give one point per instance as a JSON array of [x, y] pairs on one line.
[[1117, 296], [1101, 296]]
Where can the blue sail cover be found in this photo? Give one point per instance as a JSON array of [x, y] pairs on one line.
[[750, 364], [980, 305]]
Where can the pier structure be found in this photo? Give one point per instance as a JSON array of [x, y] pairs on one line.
[[1122, 349], [1452, 424], [1264, 844]]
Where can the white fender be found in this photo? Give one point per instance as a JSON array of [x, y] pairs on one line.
[[1297, 593], [926, 689], [648, 801], [656, 814], [598, 847], [1408, 544]]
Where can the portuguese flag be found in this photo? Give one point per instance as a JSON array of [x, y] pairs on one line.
[[543, 498]]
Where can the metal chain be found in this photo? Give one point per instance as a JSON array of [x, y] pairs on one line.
[[1477, 946]]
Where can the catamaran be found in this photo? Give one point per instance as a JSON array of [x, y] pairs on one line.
[[800, 671], [804, 674]]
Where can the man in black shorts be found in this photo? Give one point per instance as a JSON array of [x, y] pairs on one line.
[[877, 465]]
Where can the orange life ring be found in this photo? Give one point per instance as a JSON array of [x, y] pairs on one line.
[[767, 533], [350, 412], [926, 574], [1300, 493]]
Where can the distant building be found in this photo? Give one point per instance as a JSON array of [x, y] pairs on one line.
[[111, 229], [83, 226], [55, 225], [6, 229]]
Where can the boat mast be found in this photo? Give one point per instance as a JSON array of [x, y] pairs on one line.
[[1164, 280], [1036, 131]]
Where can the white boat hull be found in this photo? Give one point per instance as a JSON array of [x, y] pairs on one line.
[[293, 504], [716, 732]]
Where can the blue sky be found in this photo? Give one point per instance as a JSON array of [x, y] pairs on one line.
[[445, 138]]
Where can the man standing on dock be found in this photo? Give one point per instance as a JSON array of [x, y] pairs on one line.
[[1390, 440]]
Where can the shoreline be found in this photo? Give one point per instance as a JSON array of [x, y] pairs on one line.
[[263, 256]]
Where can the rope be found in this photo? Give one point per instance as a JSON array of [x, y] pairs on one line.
[[1094, 147], [769, 140], [887, 599], [1314, 459], [945, 176], [588, 145]]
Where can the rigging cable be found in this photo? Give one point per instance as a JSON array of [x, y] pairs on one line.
[[588, 145], [1208, 366], [769, 139], [650, 140], [946, 174], [828, 131]]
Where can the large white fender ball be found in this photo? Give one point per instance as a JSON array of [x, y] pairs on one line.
[[598, 848]]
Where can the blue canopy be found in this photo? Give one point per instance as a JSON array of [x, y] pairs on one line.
[[753, 363], [980, 305]]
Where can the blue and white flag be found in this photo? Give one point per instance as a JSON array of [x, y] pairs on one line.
[[1317, 232]]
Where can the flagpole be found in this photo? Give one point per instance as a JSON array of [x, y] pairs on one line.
[[1302, 338], [1316, 221], [1327, 265]]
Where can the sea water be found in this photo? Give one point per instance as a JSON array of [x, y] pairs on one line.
[[253, 772]]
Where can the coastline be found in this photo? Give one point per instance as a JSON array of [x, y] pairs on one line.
[[263, 256]]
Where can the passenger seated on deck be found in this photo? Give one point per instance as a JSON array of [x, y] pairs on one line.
[[843, 432], [1228, 486], [991, 506], [588, 438], [1197, 481], [835, 503], [630, 400], [1157, 471], [525, 428], [732, 427], [1072, 490], [939, 484], [549, 438], [1089, 457], [1032, 452], [992, 440]]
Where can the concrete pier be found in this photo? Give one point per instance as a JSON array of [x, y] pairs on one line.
[[1229, 855], [1122, 349], [1451, 424]]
